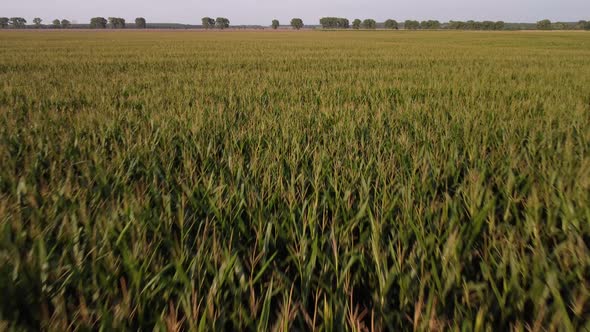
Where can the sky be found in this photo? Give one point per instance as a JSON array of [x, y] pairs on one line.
[[263, 11]]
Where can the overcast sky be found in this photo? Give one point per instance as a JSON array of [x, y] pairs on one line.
[[263, 11]]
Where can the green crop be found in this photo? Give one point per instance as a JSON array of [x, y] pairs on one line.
[[295, 181]]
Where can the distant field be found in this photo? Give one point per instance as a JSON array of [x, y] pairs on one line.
[[295, 181]]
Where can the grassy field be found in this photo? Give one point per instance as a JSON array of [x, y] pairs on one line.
[[295, 181]]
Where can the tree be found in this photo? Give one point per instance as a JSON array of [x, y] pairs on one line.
[[98, 23], [356, 24], [140, 23], [343, 23], [334, 23], [474, 25], [297, 23], [544, 25], [369, 24], [456, 25], [17, 22], [208, 22], [275, 24], [391, 24], [430, 24], [65, 23], [4, 22], [488, 25], [117, 22], [411, 25], [37, 22], [328, 22], [56, 24], [222, 23]]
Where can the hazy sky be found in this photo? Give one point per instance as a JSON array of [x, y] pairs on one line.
[[263, 11]]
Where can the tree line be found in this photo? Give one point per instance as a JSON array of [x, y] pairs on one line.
[[548, 25], [219, 23], [334, 23], [329, 23], [95, 23], [475, 25], [343, 23], [297, 23]]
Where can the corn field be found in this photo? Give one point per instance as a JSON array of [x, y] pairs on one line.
[[292, 181]]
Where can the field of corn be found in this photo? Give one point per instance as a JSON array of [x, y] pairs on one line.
[[295, 181]]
